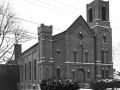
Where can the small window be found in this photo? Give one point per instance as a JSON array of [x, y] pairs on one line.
[[90, 15], [103, 13], [80, 36]]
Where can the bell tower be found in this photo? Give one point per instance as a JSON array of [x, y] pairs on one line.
[[98, 20], [98, 13]]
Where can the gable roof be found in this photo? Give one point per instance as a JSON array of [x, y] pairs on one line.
[[78, 21]]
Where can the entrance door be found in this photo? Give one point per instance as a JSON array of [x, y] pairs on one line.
[[81, 76]]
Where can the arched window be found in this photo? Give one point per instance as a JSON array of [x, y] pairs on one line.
[[102, 56], [58, 72], [75, 55], [80, 36], [88, 74], [104, 39], [103, 13], [90, 15], [73, 74], [86, 56]]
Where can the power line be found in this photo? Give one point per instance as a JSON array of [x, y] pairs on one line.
[[57, 7], [49, 8], [69, 5]]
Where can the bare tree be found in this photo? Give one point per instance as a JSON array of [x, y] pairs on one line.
[[10, 31]]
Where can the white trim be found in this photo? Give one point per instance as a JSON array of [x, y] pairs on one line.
[[51, 61], [42, 39], [78, 63], [42, 57], [51, 57], [50, 40], [101, 26]]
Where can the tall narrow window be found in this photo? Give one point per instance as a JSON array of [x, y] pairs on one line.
[[90, 15], [81, 53], [86, 56], [103, 74], [34, 69], [107, 56], [47, 73], [29, 70], [73, 74], [40, 74], [104, 39], [106, 73], [58, 72], [102, 56], [103, 13], [25, 73], [88, 76], [75, 55]]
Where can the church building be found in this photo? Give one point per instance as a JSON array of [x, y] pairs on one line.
[[82, 52]]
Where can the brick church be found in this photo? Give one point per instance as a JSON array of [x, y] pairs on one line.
[[82, 52]]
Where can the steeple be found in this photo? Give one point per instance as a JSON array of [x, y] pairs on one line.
[[98, 13]]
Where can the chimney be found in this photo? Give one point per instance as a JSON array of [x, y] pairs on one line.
[[17, 51]]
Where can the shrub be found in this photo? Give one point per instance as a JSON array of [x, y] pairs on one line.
[[105, 83], [59, 84]]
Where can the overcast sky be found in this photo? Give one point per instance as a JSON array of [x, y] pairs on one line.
[[61, 14]]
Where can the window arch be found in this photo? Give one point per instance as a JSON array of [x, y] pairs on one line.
[[90, 15], [104, 13]]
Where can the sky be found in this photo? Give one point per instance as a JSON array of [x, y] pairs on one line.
[[61, 14]]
